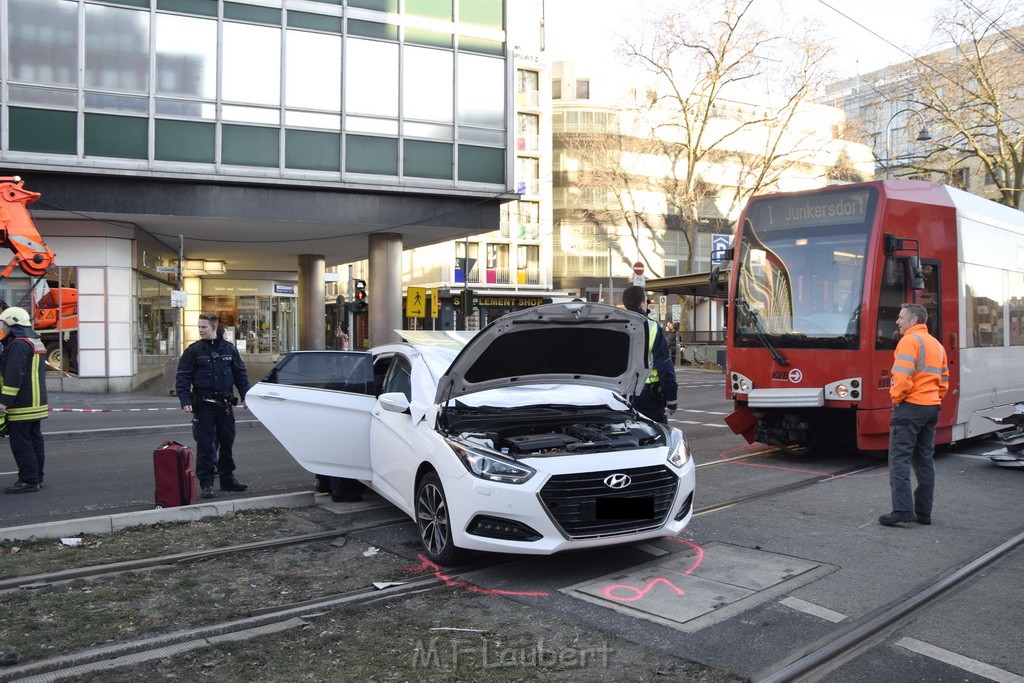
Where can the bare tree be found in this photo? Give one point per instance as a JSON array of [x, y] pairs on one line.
[[705, 60], [973, 95]]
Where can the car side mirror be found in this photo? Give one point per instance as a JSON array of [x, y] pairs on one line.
[[394, 402]]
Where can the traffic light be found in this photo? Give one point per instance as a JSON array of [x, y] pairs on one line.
[[467, 303], [359, 302]]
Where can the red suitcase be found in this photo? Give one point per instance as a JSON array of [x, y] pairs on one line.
[[173, 465]]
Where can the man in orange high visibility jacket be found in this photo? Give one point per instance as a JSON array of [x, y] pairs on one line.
[[920, 378]]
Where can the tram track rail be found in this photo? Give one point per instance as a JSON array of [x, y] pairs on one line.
[[864, 633]]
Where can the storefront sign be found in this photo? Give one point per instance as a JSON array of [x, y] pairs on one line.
[[510, 301], [285, 289]]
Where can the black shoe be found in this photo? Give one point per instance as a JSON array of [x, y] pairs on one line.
[[208, 492], [894, 518], [924, 519], [22, 487], [233, 485]]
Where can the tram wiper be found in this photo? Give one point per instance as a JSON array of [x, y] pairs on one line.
[[761, 333]]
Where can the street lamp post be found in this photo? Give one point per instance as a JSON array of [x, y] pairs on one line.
[[922, 136]]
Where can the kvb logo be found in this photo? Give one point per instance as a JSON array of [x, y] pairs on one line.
[[793, 375]]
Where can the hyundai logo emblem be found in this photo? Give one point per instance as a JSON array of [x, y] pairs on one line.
[[617, 481]]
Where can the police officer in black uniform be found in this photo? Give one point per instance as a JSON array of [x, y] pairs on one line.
[[207, 371]]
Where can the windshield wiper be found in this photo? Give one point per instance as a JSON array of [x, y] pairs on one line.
[[760, 333]]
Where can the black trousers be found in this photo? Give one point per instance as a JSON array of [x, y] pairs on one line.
[[213, 428], [27, 445]]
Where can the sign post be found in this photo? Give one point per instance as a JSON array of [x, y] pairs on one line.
[[638, 274]]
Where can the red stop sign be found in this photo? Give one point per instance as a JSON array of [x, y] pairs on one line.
[[638, 268]]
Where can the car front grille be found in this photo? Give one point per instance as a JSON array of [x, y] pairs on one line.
[[574, 501]]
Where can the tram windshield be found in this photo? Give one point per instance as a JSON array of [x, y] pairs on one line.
[[801, 269]]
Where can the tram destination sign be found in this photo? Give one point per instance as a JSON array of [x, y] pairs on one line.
[[818, 210]]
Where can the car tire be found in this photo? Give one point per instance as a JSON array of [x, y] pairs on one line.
[[434, 523]]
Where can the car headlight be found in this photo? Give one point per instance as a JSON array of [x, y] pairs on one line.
[[490, 466], [678, 449]]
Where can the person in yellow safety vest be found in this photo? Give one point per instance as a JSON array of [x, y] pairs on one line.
[[661, 389], [920, 379]]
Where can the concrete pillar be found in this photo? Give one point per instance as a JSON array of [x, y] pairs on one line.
[[311, 302], [384, 287]]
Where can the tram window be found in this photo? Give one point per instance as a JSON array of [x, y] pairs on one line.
[[929, 298], [985, 297], [890, 299], [1016, 301]]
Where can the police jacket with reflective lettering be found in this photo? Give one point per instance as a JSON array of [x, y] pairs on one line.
[[209, 368]]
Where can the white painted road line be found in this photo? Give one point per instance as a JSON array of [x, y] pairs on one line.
[[812, 609], [959, 661]]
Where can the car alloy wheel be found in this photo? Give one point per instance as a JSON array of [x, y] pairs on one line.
[[433, 522]]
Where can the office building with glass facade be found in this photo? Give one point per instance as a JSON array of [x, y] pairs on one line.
[[260, 131]]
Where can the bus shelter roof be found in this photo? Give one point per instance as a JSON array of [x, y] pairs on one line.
[[691, 284]]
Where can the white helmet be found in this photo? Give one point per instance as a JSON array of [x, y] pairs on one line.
[[16, 316]]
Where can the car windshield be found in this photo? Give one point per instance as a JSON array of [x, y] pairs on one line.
[[801, 269]]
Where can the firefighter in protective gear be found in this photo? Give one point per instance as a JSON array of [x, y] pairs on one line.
[[23, 397], [661, 389], [920, 379]]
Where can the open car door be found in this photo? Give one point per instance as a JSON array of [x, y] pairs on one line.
[[317, 404]]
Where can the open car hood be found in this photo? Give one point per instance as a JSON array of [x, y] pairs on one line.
[[565, 343]]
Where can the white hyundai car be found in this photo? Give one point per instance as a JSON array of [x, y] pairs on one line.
[[521, 440]]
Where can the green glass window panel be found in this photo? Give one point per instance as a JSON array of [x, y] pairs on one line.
[[482, 164], [205, 8], [130, 3], [481, 12], [435, 9], [428, 159], [431, 38], [372, 29], [316, 22], [185, 141], [258, 15], [313, 151], [42, 130], [487, 47], [249, 146], [328, 2], [124, 137], [379, 5], [366, 154]]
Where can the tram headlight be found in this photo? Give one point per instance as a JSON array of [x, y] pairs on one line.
[[842, 391]]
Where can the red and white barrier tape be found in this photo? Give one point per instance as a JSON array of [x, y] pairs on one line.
[[106, 410]]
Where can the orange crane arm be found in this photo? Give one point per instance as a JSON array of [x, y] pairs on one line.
[[18, 231]]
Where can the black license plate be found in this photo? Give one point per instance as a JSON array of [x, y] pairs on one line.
[[625, 508]]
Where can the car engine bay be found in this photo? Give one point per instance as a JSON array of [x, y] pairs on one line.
[[540, 439]]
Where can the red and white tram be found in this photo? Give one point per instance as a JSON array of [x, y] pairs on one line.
[[817, 280]]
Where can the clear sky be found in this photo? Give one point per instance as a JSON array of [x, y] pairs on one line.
[[587, 31]]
